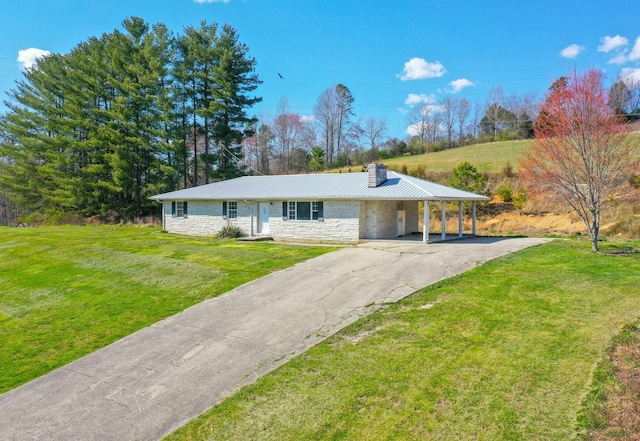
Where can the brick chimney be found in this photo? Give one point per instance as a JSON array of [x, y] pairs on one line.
[[377, 175]]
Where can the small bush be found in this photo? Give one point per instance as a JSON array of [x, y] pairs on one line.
[[508, 171], [505, 193], [466, 177], [519, 198], [419, 171], [230, 232]]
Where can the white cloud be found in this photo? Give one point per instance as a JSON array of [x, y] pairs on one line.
[[620, 58], [419, 69], [414, 98], [611, 43], [29, 57], [308, 119], [211, 1], [635, 52], [412, 130], [630, 75], [572, 51], [458, 85]]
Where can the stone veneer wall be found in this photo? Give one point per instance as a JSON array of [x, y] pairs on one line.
[[380, 218], [204, 218], [344, 221], [412, 221], [341, 223]]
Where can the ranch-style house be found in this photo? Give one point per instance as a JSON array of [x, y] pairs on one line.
[[344, 207]]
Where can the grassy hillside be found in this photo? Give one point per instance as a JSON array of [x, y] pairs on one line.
[[488, 157]]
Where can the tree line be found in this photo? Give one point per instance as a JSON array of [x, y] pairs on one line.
[[334, 136], [142, 110], [127, 115]]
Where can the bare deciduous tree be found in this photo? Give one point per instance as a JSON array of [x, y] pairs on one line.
[[581, 154], [375, 129], [424, 121], [448, 112], [462, 114], [288, 132], [333, 111], [493, 105]]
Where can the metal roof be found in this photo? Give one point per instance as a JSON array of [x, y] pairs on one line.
[[328, 186]]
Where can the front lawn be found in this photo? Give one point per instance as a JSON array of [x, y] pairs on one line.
[[503, 352], [67, 291]]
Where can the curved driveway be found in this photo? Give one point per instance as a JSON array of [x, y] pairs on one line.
[[153, 381]]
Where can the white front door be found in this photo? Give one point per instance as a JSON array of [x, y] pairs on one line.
[[263, 210]]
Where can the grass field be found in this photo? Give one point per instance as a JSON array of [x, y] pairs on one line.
[[503, 352], [67, 291], [487, 157]]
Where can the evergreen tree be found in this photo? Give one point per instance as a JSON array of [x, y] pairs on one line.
[[234, 78], [99, 130]]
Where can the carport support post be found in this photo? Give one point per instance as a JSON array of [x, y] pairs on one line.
[[251, 218], [459, 218], [444, 220], [473, 222], [425, 222]]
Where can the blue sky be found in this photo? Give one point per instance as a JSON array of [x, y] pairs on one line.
[[392, 55]]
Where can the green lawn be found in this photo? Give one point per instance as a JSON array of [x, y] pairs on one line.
[[67, 291], [503, 352]]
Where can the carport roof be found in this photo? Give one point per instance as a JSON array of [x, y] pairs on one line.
[[335, 186]]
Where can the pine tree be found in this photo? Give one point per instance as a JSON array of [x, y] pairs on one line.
[[124, 116], [235, 78]]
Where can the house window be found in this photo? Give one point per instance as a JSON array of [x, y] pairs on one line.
[[315, 210], [304, 211], [233, 210], [179, 209]]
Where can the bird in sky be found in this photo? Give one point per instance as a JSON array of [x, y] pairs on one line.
[[280, 75]]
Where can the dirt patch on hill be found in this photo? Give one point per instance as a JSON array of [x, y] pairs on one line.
[[618, 222], [532, 224]]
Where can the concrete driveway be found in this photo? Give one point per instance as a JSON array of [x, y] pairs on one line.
[[155, 380]]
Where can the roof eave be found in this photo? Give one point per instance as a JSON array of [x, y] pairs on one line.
[[331, 198]]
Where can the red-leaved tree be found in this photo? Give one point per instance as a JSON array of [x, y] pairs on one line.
[[581, 154]]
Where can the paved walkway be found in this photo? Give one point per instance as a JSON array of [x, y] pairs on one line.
[[155, 380]]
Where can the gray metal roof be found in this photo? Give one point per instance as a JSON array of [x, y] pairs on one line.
[[349, 186]]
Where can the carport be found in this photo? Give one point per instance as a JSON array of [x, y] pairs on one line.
[[443, 234]]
